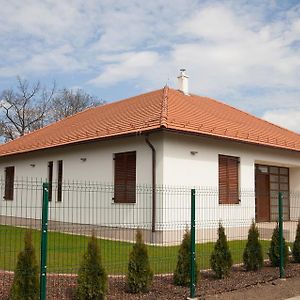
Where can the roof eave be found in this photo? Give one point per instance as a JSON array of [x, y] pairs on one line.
[[237, 140], [162, 127]]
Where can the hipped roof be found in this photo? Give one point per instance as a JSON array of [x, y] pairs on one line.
[[161, 109]]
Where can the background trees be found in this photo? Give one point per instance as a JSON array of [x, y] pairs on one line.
[[24, 108], [69, 102], [30, 106]]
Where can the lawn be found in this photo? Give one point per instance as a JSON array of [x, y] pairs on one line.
[[65, 252]]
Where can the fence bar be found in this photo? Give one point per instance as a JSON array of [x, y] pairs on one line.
[[43, 273], [193, 251], [280, 217]]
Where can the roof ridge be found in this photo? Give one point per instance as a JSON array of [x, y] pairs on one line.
[[164, 108]]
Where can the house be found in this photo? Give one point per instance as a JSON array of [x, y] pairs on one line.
[[164, 138]]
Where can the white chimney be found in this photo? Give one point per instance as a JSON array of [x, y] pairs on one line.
[[183, 82]]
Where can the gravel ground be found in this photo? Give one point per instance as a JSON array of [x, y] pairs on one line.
[[63, 286]]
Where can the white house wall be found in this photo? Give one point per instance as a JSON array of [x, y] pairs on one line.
[[182, 162], [86, 205], [193, 161]]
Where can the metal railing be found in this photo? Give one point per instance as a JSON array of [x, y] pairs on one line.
[[61, 229]]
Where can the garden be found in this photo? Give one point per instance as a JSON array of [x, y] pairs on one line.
[[82, 267]]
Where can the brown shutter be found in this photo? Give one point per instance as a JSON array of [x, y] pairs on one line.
[[228, 179], [233, 180], [9, 183], [59, 180], [131, 177], [50, 178], [223, 182], [125, 177], [120, 178]]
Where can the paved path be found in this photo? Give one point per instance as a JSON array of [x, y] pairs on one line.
[[276, 290]]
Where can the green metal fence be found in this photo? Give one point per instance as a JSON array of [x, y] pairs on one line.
[[61, 229]]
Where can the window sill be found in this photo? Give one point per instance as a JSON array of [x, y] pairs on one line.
[[7, 199], [122, 203]]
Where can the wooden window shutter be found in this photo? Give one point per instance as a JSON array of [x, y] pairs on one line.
[[59, 180], [223, 182], [125, 177], [9, 183], [228, 179], [50, 178]]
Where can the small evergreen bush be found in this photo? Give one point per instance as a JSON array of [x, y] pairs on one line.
[[253, 254], [140, 275], [26, 280], [296, 245], [274, 251], [221, 260], [181, 275], [92, 278]]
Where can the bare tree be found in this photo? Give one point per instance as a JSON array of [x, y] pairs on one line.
[[24, 109], [30, 106], [69, 102]]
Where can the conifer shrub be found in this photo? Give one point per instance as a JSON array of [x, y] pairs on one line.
[[221, 260], [25, 285], [296, 245], [253, 254], [140, 275], [181, 274], [274, 251], [92, 278]]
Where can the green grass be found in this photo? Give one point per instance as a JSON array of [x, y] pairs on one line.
[[65, 252]]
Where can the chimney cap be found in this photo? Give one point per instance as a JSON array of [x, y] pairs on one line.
[[182, 74], [183, 82]]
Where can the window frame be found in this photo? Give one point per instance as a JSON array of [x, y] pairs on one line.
[[232, 189], [50, 180], [9, 184], [123, 164], [275, 171], [59, 180]]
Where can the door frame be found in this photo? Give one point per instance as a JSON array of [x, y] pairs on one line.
[[267, 193], [270, 172]]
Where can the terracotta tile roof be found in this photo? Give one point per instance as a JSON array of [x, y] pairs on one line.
[[165, 108]]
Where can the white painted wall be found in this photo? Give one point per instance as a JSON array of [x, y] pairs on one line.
[[183, 168], [177, 171], [95, 203]]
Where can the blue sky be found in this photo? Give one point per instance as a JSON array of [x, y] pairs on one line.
[[244, 53]]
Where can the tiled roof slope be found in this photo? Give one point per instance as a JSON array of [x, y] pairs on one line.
[[165, 108]]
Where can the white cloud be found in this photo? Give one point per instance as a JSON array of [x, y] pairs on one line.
[[125, 67], [286, 118], [245, 52]]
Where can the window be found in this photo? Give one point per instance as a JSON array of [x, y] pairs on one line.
[[228, 179], [59, 180], [125, 177], [9, 183], [50, 178]]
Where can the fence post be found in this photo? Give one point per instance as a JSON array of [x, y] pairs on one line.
[[44, 236], [193, 248], [281, 246]]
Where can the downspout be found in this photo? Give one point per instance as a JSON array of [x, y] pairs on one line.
[[153, 182]]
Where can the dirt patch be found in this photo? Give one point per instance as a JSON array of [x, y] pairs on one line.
[[63, 286]]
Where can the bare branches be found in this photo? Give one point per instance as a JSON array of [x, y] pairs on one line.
[[30, 106], [23, 109], [69, 102]]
